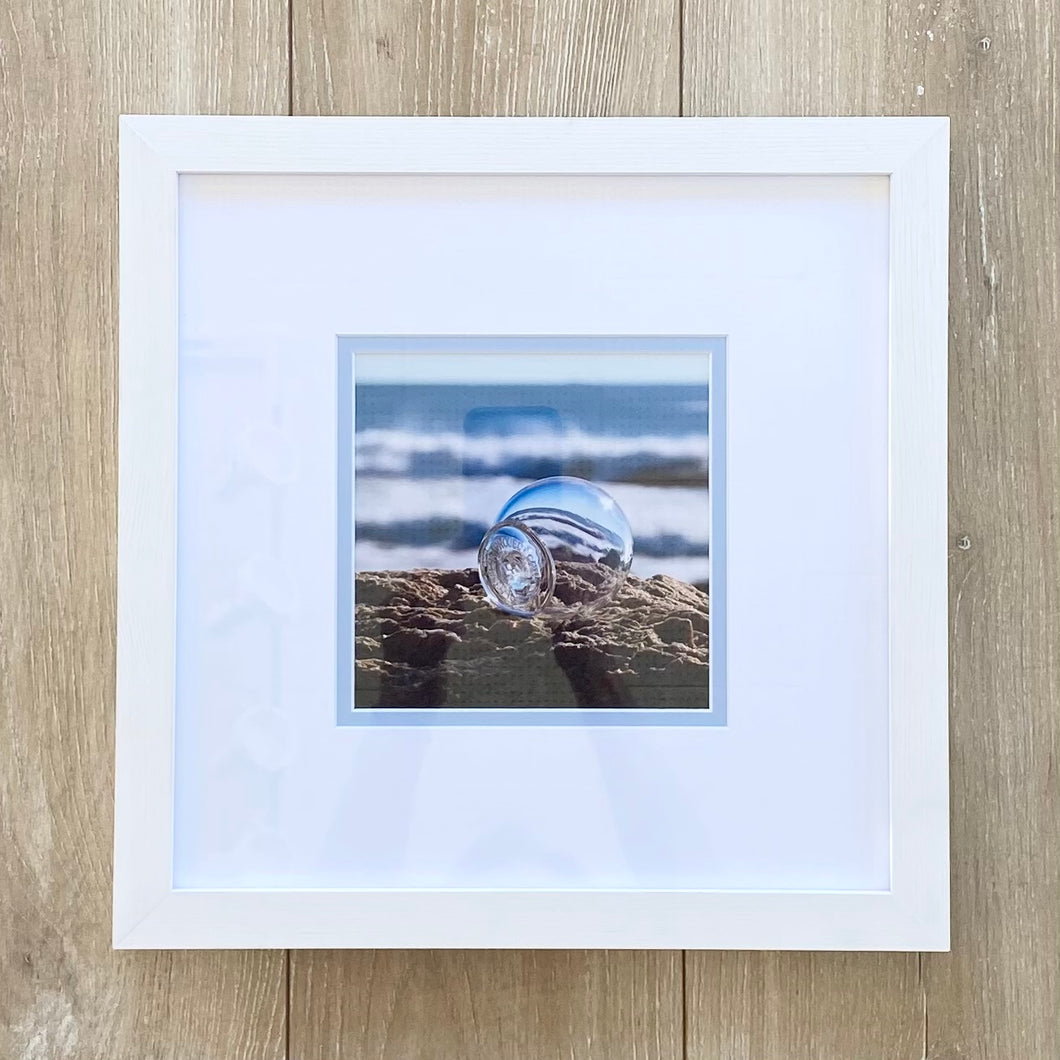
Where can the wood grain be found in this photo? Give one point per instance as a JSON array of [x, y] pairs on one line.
[[998, 993], [986, 65], [393, 1005], [462, 57], [66, 71], [786, 1006]]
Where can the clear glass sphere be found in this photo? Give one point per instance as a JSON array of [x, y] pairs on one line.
[[559, 547]]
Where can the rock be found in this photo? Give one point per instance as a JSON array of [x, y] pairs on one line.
[[645, 662], [417, 648], [674, 630], [428, 638]]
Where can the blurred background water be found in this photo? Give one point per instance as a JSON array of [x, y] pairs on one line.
[[435, 463]]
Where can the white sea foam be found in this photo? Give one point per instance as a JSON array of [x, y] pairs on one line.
[[653, 511], [399, 452]]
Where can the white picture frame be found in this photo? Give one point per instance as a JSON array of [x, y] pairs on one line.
[[912, 913]]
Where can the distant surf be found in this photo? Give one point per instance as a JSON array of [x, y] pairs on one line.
[[434, 464], [656, 459]]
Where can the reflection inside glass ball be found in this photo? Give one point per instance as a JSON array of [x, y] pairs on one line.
[[559, 547]]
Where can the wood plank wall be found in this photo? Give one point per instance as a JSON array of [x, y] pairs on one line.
[[68, 68]]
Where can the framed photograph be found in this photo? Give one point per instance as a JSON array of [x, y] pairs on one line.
[[436, 435], [532, 533]]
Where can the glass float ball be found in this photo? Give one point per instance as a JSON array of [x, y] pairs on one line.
[[558, 548]]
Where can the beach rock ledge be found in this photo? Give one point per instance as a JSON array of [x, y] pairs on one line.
[[428, 638]]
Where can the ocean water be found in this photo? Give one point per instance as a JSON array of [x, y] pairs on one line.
[[435, 463]]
